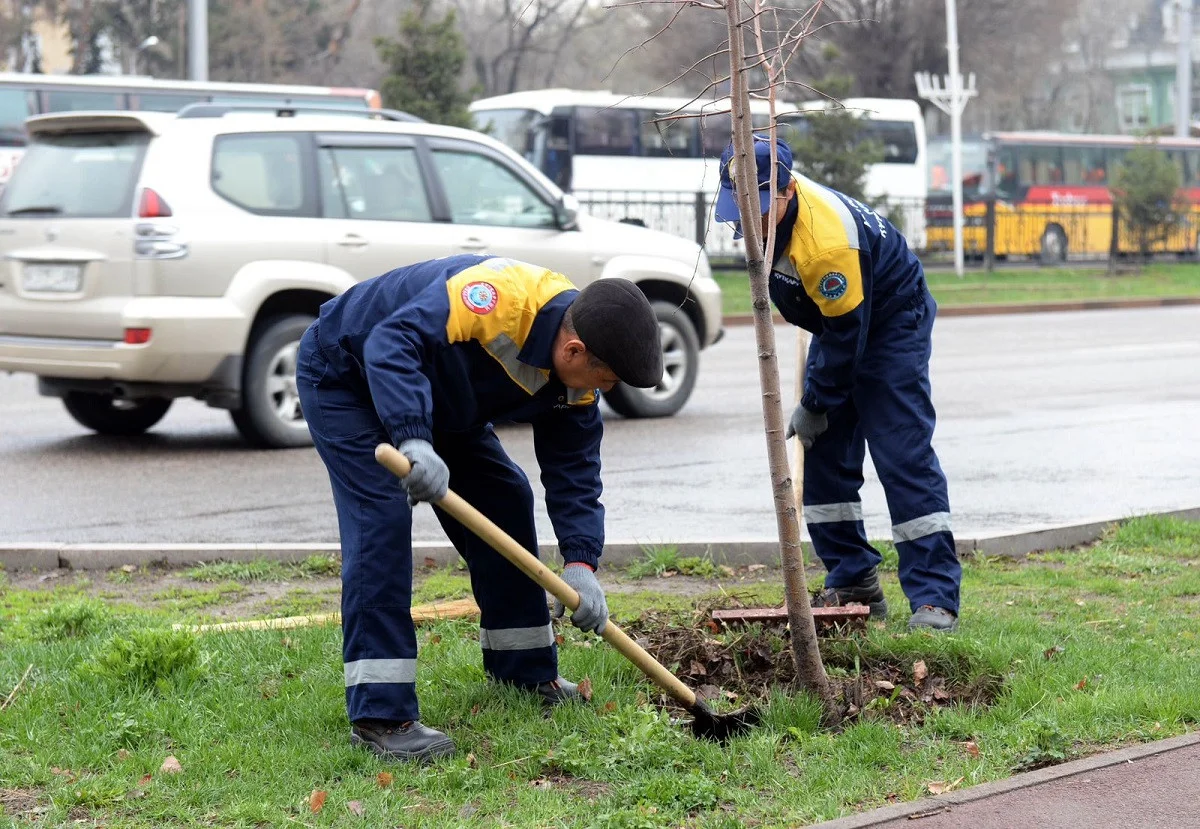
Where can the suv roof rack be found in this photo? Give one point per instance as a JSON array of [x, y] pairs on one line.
[[291, 110]]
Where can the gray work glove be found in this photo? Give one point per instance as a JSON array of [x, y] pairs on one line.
[[592, 613], [806, 425], [430, 477]]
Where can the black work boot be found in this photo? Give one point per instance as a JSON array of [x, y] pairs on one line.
[[558, 691], [937, 619], [401, 741], [868, 591]]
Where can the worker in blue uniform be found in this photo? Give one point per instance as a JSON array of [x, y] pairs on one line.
[[844, 273], [426, 357]]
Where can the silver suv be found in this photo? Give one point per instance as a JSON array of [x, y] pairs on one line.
[[151, 256]]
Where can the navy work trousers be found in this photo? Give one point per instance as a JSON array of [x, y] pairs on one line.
[[891, 413], [375, 525]]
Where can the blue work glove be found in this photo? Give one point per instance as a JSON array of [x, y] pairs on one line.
[[592, 613], [806, 425], [430, 477]]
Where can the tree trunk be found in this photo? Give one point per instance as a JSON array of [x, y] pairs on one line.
[[809, 668]]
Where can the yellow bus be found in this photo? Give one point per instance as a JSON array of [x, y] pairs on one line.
[[1051, 194]]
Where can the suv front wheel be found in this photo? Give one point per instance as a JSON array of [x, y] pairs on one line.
[[109, 415], [270, 415], [681, 363]]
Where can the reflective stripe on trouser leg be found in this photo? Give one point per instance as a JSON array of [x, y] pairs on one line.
[[379, 645], [832, 510], [894, 394], [515, 632]]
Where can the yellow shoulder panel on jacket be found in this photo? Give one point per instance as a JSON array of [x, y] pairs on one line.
[[834, 281], [495, 304], [499, 296]]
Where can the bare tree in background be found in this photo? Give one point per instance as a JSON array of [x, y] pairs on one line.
[[519, 44]]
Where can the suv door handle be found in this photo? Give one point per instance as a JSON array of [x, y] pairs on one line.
[[352, 240], [473, 243]]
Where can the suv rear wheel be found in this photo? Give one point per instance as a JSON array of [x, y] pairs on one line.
[[681, 363], [270, 415], [109, 415]]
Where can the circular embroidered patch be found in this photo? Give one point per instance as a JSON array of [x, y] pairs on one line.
[[480, 297], [833, 285]]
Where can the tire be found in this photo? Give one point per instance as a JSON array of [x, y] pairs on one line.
[[107, 415], [270, 415], [681, 364], [1054, 246]]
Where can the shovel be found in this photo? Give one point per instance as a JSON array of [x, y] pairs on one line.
[[705, 723]]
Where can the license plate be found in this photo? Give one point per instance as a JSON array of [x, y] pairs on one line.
[[63, 279]]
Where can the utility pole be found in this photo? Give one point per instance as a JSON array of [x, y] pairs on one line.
[[197, 29], [951, 99], [1183, 71]]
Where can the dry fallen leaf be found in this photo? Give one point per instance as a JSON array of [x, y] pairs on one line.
[[753, 567], [146, 778], [384, 779], [128, 568], [884, 685], [122, 754], [939, 787], [585, 688], [316, 800], [1081, 684], [471, 762], [171, 765], [971, 748], [559, 639], [1054, 651], [1079, 602], [355, 807], [541, 783], [435, 638], [609, 707], [712, 626], [474, 709], [430, 561], [919, 671]]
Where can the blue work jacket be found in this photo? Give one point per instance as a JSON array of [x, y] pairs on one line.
[[838, 268], [453, 344]]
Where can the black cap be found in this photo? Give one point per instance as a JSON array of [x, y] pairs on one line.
[[614, 320]]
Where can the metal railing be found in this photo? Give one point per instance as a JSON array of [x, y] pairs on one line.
[[1036, 234]]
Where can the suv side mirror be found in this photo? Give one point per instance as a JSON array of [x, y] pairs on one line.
[[566, 212]]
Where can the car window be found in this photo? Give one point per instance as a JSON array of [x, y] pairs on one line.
[[77, 175], [382, 183], [482, 191], [261, 173], [71, 100], [15, 107]]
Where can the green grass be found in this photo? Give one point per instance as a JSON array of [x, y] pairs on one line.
[[665, 560], [1095, 648], [262, 569], [1018, 285]]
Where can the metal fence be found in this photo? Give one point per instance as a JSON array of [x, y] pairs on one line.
[[1036, 234]]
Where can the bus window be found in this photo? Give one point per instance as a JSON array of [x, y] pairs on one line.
[[1040, 166], [14, 109], [1006, 173], [73, 100], [1114, 158], [666, 138], [1084, 166], [715, 130], [1177, 159], [604, 131], [160, 102], [512, 127], [898, 139]]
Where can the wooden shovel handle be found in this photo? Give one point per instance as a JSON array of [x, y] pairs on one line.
[[527, 562]]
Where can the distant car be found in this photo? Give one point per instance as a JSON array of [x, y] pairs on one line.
[[152, 256]]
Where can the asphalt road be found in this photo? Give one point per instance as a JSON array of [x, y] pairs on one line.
[[1043, 419]]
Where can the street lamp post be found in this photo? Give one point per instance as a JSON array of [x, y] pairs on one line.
[[951, 99], [143, 46]]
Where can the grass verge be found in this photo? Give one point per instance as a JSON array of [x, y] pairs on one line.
[[1091, 648], [1018, 285]]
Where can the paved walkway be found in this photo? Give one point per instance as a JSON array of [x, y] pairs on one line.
[[1150, 786]]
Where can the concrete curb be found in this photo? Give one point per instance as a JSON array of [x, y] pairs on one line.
[[731, 320], [886, 814], [733, 552]]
